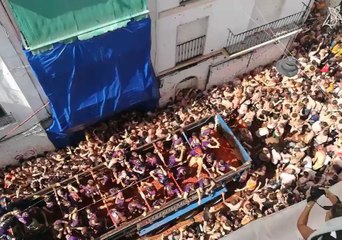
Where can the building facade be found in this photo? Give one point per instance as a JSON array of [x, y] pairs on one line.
[[21, 132], [195, 43], [34, 30], [200, 43]]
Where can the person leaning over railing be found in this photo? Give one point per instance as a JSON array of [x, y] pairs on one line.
[[332, 228]]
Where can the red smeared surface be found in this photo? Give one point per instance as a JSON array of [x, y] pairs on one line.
[[226, 152]]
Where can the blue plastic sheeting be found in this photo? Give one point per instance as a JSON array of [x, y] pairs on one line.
[[87, 81], [181, 212]]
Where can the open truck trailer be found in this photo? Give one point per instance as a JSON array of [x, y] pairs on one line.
[[157, 219]]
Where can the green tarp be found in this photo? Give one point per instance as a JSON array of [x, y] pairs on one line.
[[44, 22]]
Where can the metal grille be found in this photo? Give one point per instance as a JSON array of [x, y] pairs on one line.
[[190, 49], [242, 41]]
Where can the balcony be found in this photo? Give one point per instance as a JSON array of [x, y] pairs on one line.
[[245, 40], [190, 49]]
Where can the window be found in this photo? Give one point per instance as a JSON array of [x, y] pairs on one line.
[[191, 39]]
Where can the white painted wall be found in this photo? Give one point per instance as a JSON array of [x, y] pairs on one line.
[[222, 15], [14, 102], [189, 31], [228, 70], [14, 58], [237, 15], [166, 4], [220, 70], [170, 82], [28, 144], [266, 11], [20, 95], [292, 7]]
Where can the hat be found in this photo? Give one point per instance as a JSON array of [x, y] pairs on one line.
[[262, 132], [287, 67], [248, 102], [265, 149]]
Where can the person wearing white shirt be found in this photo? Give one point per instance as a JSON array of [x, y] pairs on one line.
[[244, 108], [260, 199], [286, 157], [327, 160], [338, 90], [339, 125], [304, 178], [287, 178], [322, 137], [313, 55], [324, 116], [276, 157], [227, 103], [234, 205], [311, 103], [249, 116], [307, 161], [316, 127]]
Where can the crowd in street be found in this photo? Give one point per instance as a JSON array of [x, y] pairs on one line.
[[290, 126], [294, 125]]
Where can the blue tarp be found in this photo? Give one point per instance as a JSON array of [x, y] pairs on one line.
[[180, 212], [87, 81]]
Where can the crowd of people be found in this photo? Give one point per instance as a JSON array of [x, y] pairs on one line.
[[294, 125], [122, 189]]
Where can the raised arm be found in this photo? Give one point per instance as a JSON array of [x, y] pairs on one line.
[[211, 187], [163, 170], [302, 222], [332, 197], [257, 188], [159, 154], [111, 163]]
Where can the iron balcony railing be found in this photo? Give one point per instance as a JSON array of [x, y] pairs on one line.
[[242, 41], [190, 49]]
